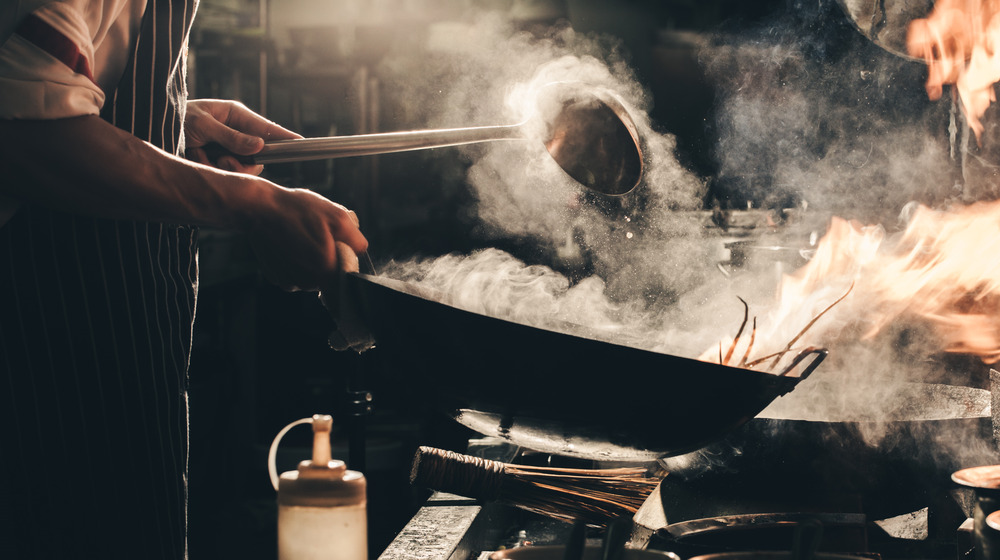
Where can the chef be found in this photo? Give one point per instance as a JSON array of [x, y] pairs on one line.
[[99, 217]]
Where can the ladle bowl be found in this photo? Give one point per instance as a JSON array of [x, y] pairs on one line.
[[586, 131]]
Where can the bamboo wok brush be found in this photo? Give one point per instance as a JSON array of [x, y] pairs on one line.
[[594, 496]]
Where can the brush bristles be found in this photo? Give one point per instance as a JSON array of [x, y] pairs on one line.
[[595, 496]]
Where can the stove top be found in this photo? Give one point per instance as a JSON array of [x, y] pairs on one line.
[[886, 503], [700, 517]]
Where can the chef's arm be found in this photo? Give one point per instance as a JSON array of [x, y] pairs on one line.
[[85, 165]]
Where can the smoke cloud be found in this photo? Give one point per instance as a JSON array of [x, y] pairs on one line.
[[802, 122], [645, 250]]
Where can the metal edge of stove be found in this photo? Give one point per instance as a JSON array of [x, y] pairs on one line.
[[447, 527], [453, 527]]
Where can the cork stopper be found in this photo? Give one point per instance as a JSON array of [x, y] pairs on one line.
[[322, 464]]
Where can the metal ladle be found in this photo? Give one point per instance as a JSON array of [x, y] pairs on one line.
[[588, 133]]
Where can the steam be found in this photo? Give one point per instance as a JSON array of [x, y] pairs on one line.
[[492, 282], [840, 127], [847, 132], [520, 191], [639, 254], [844, 133]]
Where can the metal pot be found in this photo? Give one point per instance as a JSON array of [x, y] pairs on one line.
[[985, 483], [773, 555], [758, 255], [885, 22], [805, 533], [556, 392], [589, 553]]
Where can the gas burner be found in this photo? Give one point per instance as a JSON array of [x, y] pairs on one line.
[[853, 502]]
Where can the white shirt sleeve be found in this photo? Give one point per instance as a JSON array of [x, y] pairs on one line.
[[46, 64]]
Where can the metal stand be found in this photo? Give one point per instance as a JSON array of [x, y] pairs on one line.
[[359, 406]]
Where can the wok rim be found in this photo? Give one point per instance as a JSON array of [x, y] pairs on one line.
[[379, 281]]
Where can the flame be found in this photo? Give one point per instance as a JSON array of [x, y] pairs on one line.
[[944, 269], [959, 42]]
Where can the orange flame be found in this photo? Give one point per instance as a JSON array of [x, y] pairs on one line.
[[944, 269], [959, 41]]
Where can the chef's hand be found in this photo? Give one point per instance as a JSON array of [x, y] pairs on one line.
[[304, 241], [350, 331], [232, 126]]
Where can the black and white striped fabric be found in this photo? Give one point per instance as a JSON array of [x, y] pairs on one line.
[[95, 334]]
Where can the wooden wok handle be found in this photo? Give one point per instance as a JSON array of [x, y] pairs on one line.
[[819, 354]]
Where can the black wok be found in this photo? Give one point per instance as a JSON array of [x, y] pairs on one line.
[[556, 392]]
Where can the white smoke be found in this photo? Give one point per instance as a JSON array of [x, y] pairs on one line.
[[822, 132], [642, 251], [842, 125], [520, 191]]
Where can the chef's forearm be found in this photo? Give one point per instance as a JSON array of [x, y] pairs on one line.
[[85, 165]]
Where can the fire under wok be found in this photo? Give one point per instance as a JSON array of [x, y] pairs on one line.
[[556, 392]]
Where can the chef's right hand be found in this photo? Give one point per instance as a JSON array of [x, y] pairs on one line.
[[303, 240], [231, 127]]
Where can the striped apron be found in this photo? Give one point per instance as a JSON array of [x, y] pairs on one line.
[[95, 335]]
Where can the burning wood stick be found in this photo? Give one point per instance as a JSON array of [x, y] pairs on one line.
[[745, 361], [809, 325], [739, 333], [753, 336], [595, 496]]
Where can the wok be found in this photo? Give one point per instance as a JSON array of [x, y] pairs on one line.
[[556, 392], [898, 464]]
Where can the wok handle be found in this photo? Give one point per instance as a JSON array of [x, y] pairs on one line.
[[819, 354]]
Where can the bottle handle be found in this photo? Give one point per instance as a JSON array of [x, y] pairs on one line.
[[272, 454]]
